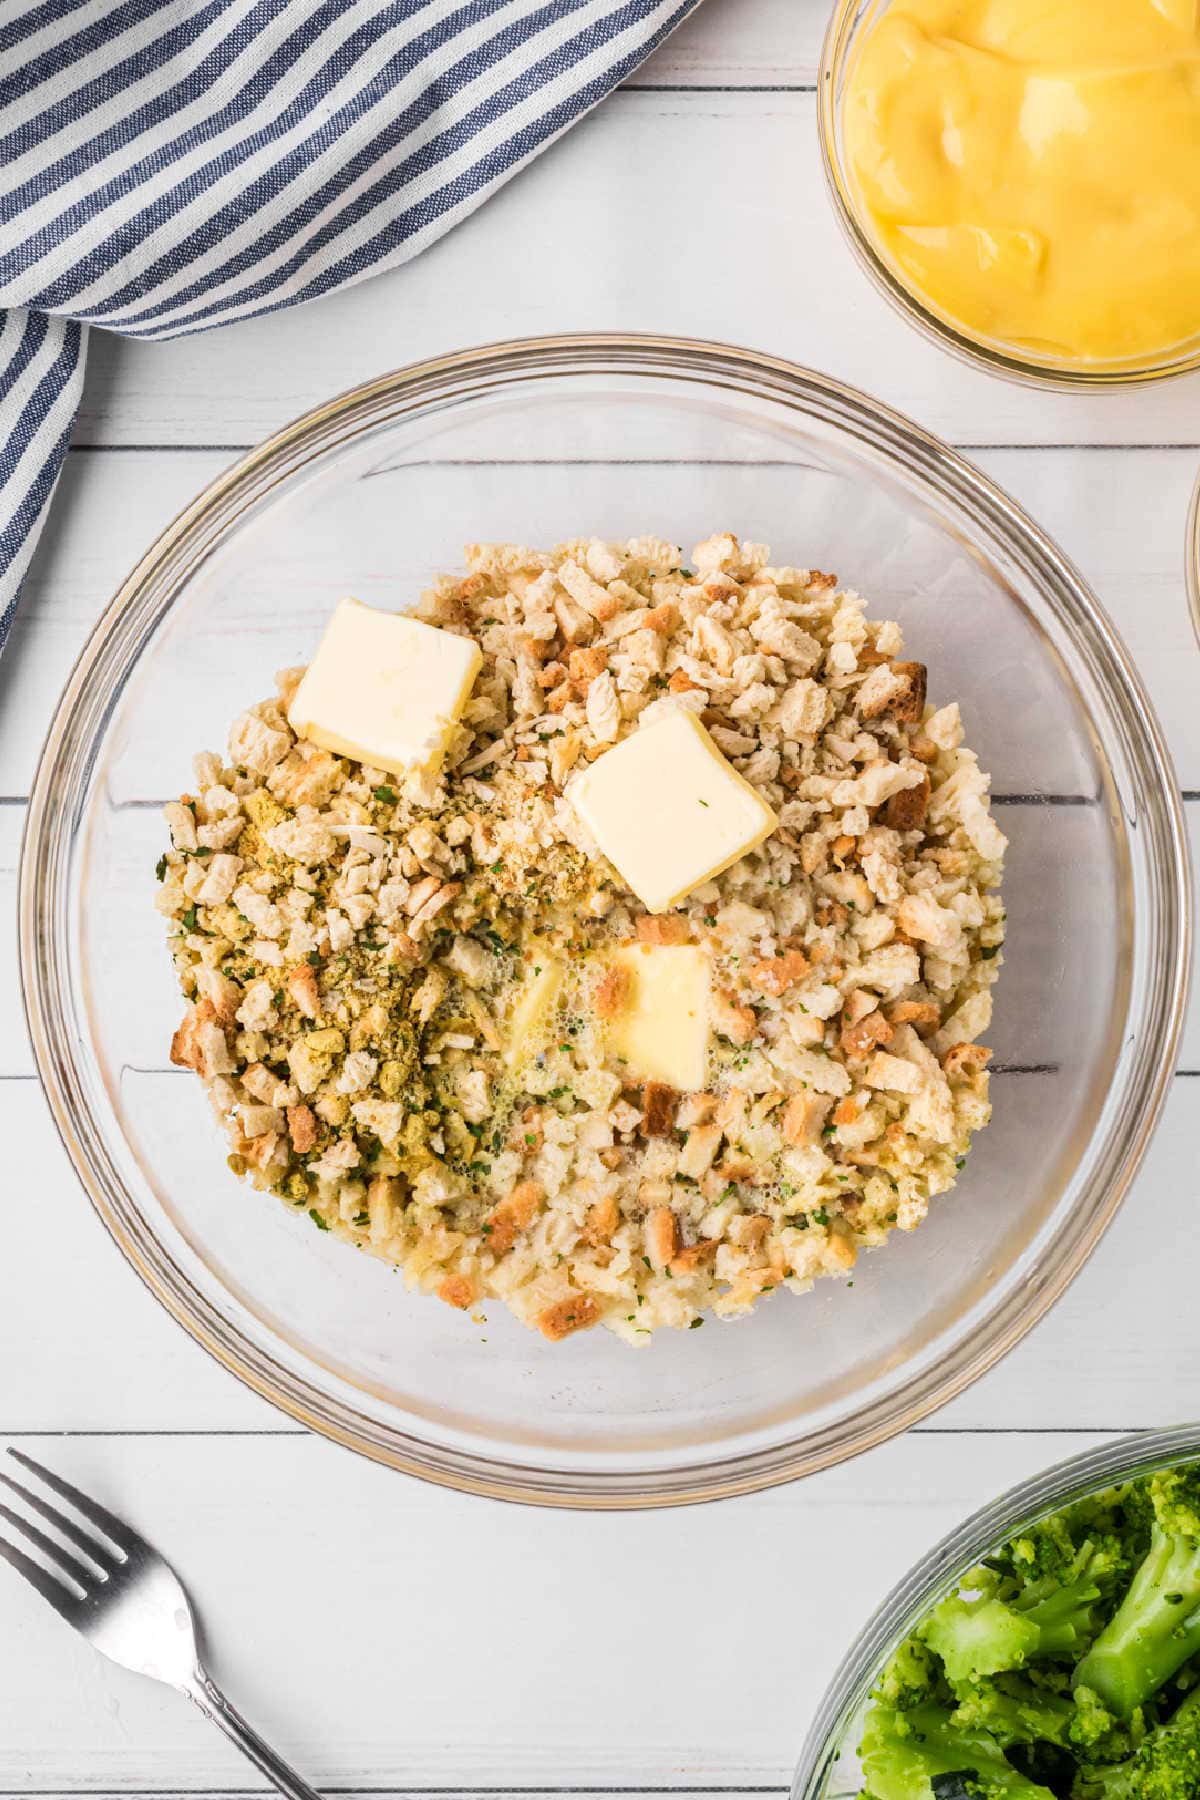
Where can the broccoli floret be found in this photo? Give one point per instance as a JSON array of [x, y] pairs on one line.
[[982, 1631], [924, 1755], [1095, 1735], [1165, 1766], [1096, 1533], [1157, 1626], [1012, 1711], [910, 1677], [1066, 1619], [1175, 1498], [978, 1634]]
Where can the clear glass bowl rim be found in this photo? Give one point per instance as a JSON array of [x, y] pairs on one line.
[[1060, 378], [1137, 1453], [434, 384], [1192, 559]]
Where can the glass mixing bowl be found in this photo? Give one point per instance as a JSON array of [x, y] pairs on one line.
[[829, 1768], [848, 25], [539, 441]]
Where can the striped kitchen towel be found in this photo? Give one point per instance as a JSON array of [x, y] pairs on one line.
[[171, 165]]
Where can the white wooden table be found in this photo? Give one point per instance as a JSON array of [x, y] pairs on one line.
[[391, 1637]]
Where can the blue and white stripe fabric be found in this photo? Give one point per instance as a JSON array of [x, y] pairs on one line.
[[171, 165]]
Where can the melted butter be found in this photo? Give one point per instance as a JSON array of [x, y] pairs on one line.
[[662, 1030], [1031, 168], [533, 1004]]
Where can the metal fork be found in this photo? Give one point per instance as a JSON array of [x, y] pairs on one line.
[[128, 1602]]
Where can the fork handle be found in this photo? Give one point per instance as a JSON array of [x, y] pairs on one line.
[[213, 1704]]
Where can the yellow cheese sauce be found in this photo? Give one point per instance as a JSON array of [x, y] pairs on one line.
[[1031, 168]]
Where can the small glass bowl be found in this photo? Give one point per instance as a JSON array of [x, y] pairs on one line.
[[849, 22], [372, 494], [828, 1768]]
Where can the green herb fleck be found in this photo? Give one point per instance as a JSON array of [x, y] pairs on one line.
[[386, 794], [320, 1223], [160, 867]]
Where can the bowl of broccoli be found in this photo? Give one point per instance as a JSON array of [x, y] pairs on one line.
[[1049, 1649]]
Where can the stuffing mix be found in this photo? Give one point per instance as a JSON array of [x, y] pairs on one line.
[[361, 954]]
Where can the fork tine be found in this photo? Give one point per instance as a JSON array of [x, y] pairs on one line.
[[60, 1598], [99, 1553], [126, 1541], [84, 1579]]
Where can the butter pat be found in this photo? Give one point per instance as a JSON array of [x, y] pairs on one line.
[[534, 1005], [661, 1031], [668, 811], [384, 689]]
